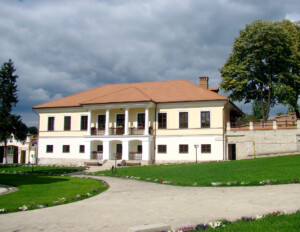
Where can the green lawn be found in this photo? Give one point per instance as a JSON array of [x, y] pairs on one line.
[[38, 169], [41, 189], [269, 223], [282, 169]]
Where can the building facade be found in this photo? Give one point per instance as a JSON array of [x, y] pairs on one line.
[[164, 121]]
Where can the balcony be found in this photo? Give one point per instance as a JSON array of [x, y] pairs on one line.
[[121, 131], [96, 155]]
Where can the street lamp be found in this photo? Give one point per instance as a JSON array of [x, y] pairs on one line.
[[196, 147]]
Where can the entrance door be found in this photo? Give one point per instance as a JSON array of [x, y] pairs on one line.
[[231, 151], [23, 156], [15, 160], [119, 151], [120, 124]]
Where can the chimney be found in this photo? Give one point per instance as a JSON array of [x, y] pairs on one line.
[[203, 82]]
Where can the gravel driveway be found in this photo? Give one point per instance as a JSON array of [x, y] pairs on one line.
[[130, 203]]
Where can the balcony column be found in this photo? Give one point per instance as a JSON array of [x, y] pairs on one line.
[[106, 150], [107, 122], [126, 121], [125, 150], [146, 132], [87, 150], [89, 121]]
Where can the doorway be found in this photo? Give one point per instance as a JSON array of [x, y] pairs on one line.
[[119, 150], [23, 157], [231, 151], [120, 124]]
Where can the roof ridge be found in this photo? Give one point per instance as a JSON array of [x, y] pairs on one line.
[[105, 94], [143, 93]]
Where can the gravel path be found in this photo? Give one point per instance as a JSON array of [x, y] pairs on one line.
[[130, 203]]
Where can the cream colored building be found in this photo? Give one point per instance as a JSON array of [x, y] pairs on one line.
[[163, 121], [19, 151]]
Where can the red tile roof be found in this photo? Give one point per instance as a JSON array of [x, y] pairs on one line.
[[158, 92]]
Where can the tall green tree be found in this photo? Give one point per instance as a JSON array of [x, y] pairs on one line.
[[261, 66], [9, 123]]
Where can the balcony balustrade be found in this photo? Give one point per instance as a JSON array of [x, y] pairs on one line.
[[120, 131], [96, 155]]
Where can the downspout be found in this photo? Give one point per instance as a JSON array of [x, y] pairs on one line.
[[154, 133], [224, 131], [37, 139]]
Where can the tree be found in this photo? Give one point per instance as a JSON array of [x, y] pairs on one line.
[[262, 66], [256, 110], [9, 124], [33, 131]]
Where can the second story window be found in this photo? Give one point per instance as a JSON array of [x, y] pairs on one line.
[[183, 120], [101, 122], [205, 119], [162, 120], [141, 120], [67, 123], [50, 123], [84, 122]]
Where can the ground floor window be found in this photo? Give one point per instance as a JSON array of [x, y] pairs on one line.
[[140, 149], [49, 148], [66, 148], [183, 148], [205, 148], [100, 148], [81, 148], [162, 148]]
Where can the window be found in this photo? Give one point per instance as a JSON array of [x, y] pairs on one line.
[[183, 148], [81, 148], [205, 148], [66, 148], [141, 120], [162, 148], [100, 148], [101, 122], [84, 122], [205, 119], [162, 120], [183, 120], [50, 123], [49, 148], [67, 123], [140, 149]]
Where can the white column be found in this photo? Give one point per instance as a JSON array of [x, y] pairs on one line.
[[146, 150], [87, 150], [146, 120], [228, 126], [125, 150], [274, 125], [126, 121], [107, 122], [89, 122], [251, 125], [106, 150]]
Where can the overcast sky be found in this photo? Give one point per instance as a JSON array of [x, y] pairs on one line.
[[64, 47]]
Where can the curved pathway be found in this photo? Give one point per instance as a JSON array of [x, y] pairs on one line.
[[130, 203]]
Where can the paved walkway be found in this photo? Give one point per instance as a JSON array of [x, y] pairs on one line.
[[130, 203]]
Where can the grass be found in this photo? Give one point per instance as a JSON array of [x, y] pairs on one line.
[[270, 223], [39, 169], [41, 189], [282, 169]]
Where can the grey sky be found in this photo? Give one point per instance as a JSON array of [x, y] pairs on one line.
[[64, 47]]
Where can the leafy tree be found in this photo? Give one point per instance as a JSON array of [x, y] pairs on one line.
[[256, 110], [9, 124], [33, 130], [262, 66]]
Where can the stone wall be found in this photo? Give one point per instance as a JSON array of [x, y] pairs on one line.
[[61, 161], [250, 143]]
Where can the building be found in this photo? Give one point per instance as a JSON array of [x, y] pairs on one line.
[[137, 122], [18, 151]]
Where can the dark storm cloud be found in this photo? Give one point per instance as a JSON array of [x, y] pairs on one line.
[[63, 47]]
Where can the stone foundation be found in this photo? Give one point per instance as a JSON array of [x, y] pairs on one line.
[[60, 161]]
